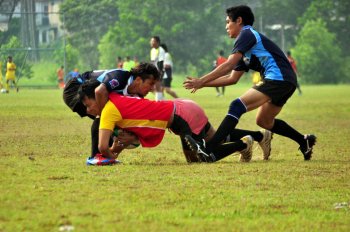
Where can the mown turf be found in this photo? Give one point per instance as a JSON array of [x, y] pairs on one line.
[[45, 183]]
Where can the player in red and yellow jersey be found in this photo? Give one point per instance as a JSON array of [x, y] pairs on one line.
[[148, 120]]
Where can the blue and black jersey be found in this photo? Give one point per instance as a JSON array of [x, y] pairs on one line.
[[115, 80], [262, 55]]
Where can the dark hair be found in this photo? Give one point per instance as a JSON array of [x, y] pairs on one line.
[[221, 53], [241, 11], [289, 53], [145, 71], [164, 47], [87, 89], [156, 38]]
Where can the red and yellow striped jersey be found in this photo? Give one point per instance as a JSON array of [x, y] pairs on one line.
[[145, 118]]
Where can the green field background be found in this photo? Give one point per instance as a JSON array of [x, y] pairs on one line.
[[46, 185]]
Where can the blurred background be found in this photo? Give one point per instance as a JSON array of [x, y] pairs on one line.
[[43, 35]]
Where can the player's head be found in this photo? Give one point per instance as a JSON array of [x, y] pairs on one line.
[[71, 98], [9, 58], [155, 41], [86, 95], [221, 53], [242, 11], [146, 75], [237, 17], [289, 53]]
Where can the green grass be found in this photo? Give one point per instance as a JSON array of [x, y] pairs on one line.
[[45, 183], [44, 75]]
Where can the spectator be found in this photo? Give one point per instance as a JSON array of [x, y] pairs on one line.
[[60, 77]]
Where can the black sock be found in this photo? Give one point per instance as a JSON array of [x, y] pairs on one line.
[[237, 134], [280, 127], [227, 149], [226, 126], [94, 137]]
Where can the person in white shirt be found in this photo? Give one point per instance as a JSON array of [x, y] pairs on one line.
[[157, 58], [168, 69]]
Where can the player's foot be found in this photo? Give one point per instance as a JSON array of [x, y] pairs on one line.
[[17, 89], [265, 143], [246, 154], [307, 149], [198, 147], [99, 160]]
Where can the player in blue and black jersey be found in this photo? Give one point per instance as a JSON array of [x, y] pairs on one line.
[[253, 50]]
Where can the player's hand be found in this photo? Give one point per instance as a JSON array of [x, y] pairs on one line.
[[126, 138], [193, 84]]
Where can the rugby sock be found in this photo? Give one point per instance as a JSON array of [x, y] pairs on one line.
[[236, 109], [159, 96], [237, 134], [227, 149], [280, 127], [94, 137], [227, 125]]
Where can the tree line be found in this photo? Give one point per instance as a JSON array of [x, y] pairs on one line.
[[315, 31]]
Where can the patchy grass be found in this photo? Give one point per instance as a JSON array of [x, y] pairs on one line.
[[45, 183]]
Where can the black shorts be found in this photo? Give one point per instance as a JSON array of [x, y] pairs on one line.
[[166, 82], [278, 91]]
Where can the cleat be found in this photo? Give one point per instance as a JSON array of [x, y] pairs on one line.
[[265, 143], [99, 160], [310, 142], [199, 148], [246, 154]]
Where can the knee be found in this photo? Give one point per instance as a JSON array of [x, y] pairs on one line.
[[237, 108]]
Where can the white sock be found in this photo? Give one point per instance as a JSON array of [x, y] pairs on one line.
[[159, 96]]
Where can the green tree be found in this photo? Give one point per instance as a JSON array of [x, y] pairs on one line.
[[191, 29], [318, 54], [277, 12], [336, 15], [86, 22], [72, 58]]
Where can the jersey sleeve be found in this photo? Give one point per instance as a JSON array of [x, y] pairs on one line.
[[241, 66], [245, 41], [109, 117], [115, 80]]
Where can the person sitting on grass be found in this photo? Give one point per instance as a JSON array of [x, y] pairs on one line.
[[148, 120]]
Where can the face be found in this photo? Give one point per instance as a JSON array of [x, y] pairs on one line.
[[144, 87], [233, 28], [153, 43], [91, 106]]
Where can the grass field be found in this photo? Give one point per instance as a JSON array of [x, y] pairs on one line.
[[46, 185]]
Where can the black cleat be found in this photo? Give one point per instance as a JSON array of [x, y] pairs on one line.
[[307, 150], [199, 148]]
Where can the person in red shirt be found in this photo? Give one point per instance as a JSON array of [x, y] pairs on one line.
[[60, 77], [220, 60]]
